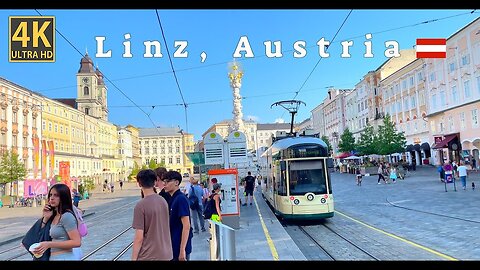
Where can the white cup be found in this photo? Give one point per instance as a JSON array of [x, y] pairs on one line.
[[32, 248]]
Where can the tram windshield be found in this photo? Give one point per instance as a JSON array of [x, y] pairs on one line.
[[307, 176]]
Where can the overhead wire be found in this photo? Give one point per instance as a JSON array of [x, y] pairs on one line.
[[173, 70], [260, 56], [318, 62], [104, 76]]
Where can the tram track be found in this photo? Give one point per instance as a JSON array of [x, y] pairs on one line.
[[91, 222], [98, 251], [431, 213], [326, 249]]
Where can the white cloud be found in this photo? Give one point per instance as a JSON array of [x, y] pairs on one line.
[[279, 121], [253, 118]]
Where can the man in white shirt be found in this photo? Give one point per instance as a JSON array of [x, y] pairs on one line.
[[462, 174]]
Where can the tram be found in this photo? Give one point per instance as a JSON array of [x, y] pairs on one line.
[[297, 184]]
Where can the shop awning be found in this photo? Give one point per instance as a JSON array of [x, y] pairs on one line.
[[416, 147], [425, 146], [444, 143], [343, 155], [409, 148]]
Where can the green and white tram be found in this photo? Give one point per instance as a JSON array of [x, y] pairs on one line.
[[298, 185]]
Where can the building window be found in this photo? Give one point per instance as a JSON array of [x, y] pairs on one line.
[[413, 102], [4, 114], [49, 126], [432, 126], [451, 67], [434, 102], [86, 91], [404, 84], [56, 128], [14, 140], [412, 81], [177, 150], [178, 160], [87, 111], [443, 100], [61, 129], [170, 160], [432, 76], [25, 142], [44, 126], [466, 88], [475, 118], [478, 84], [450, 123], [170, 150], [454, 94], [462, 120], [419, 76], [14, 117], [465, 60]]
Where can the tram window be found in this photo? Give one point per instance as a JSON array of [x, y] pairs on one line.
[[307, 176]]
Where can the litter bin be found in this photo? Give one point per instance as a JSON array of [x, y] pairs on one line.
[[222, 242]]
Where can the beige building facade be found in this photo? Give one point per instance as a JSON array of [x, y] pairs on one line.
[[167, 146], [453, 85]]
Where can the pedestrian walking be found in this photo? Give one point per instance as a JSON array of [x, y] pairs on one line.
[[76, 197], [63, 230], [121, 185], [393, 174], [249, 187], [358, 176], [474, 163], [462, 174], [196, 193], [152, 240], [380, 174], [180, 229]]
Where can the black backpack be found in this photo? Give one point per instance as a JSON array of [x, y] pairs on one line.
[[209, 207]]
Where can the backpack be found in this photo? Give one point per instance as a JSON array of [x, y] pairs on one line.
[[209, 207], [81, 225], [193, 200]]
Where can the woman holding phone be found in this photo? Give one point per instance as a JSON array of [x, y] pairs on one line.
[[64, 230]]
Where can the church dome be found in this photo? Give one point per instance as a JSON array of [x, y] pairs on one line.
[[86, 65], [100, 76]]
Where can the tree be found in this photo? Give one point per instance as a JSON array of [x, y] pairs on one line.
[[389, 140], [11, 169], [347, 142], [135, 171], [153, 165], [325, 139], [367, 144]]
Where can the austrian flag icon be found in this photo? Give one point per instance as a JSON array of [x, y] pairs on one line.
[[431, 48]]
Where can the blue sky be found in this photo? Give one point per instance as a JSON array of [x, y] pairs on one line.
[[150, 82]]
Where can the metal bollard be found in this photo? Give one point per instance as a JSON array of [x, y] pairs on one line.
[[222, 242]]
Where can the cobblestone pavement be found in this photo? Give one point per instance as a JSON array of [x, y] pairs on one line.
[[417, 209]]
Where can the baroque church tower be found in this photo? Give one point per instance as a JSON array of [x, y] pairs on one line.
[[91, 90]]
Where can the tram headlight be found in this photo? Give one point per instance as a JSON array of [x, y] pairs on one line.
[[296, 201], [323, 200], [310, 196]]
